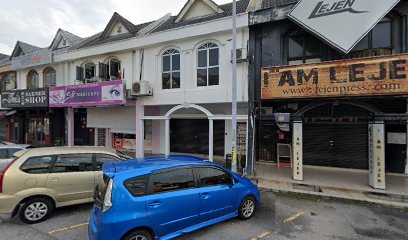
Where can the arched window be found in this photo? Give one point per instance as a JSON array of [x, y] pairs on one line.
[[33, 80], [90, 70], [8, 81], [208, 70], [50, 78], [171, 69]]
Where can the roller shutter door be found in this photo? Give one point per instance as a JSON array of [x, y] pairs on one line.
[[336, 145]]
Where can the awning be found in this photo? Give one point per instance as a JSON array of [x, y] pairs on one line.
[[9, 113]]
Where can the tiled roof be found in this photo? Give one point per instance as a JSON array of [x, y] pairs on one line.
[[170, 24], [4, 60], [28, 48], [276, 3], [70, 37], [2, 56]]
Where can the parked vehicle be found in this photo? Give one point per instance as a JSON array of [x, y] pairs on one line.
[[6, 154], [160, 198], [42, 179]]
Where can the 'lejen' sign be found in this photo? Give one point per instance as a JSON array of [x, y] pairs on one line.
[[357, 77], [340, 23]]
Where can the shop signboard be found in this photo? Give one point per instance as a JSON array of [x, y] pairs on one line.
[[340, 23], [27, 98], [92, 94], [377, 76], [376, 142], [297, 143]]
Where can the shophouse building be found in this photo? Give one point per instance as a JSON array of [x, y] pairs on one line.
[[140, 87], [7, 82], [328, 86]]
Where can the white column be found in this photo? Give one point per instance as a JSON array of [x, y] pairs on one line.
[[70, 127], [211, 141], [376, 136], [297, 146], [96, 136], [139, 129], [167, 138]]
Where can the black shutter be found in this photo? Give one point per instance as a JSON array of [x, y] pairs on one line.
[[103, 70], [79, 73]]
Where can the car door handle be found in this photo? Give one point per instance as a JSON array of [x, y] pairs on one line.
[[155, 204], [205, 196]]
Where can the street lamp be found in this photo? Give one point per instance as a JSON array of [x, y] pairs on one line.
[[234, 87]]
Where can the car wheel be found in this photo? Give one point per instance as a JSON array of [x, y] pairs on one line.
[[36, 210], [247, 208], [139, 235]]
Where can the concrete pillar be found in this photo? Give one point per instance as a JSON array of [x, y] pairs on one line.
[[70, 126], [96, 136], [167, 138], [297, 145], [108, 138], [211, 141], [376, 143], [139, 129]]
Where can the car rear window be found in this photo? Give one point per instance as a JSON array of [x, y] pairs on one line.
[[137, 186], [37, 165]]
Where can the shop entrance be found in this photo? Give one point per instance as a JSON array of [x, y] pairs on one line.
[[336, 145], [191, 136], [395, 148], [83, 136]]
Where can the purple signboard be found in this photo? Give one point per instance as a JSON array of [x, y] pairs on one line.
[[91, 94]]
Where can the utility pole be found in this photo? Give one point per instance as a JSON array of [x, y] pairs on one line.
[[234, 86]]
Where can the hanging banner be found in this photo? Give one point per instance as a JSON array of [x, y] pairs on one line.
[[283, 121], [297, 149], [376, 136], [92, 94], [377, 76], [340, 23]]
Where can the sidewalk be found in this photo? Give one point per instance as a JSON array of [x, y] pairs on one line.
[[335, 183]]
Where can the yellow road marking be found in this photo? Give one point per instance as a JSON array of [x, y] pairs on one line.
[[293, 217], [262, 235], [67, 228]]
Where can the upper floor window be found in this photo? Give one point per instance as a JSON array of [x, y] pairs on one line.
[[379, 37], [89, 70], [33, 80], [171, 69], [8, 81], [208, 70], [110, 70], [50, 78], [303, 48]]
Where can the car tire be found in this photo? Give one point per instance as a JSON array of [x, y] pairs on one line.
[[139, 235], [247, 208], [36, 210]]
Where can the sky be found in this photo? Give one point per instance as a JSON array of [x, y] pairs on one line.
[[37, 21]]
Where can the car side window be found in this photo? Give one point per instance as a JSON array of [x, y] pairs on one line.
[[213, 177], [103, 158], [137, 186], [3, 153], [73, 163], [13, 150], [37, 165], [174, 180]]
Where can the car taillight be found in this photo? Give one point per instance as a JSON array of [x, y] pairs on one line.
[[3, 172], [107, 201]]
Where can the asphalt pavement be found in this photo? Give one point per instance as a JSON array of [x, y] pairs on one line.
[[279, 217]]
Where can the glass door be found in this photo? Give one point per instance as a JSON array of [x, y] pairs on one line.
[[38, 131]]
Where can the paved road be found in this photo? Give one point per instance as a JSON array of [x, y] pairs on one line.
[[279, 217]]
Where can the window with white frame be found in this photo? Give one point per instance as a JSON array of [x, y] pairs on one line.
[[208, 69], [171, 69], [90, 70], [33, 80], [110, 70], [8, 81], [50, 77]]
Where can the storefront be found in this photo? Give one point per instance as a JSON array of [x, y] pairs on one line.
[[96, 113], [29, 119], [319, 99]]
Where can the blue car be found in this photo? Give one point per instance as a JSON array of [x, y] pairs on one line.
[[162, 198]]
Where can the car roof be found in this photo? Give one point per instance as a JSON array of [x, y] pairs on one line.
[[10, 146], [147, 165], [62, 150]]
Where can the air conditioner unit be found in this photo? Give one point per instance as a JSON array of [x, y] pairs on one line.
[[141, 88], [242, 55]]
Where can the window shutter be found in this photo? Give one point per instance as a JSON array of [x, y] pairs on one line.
[[79, 73], [103, 70]]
